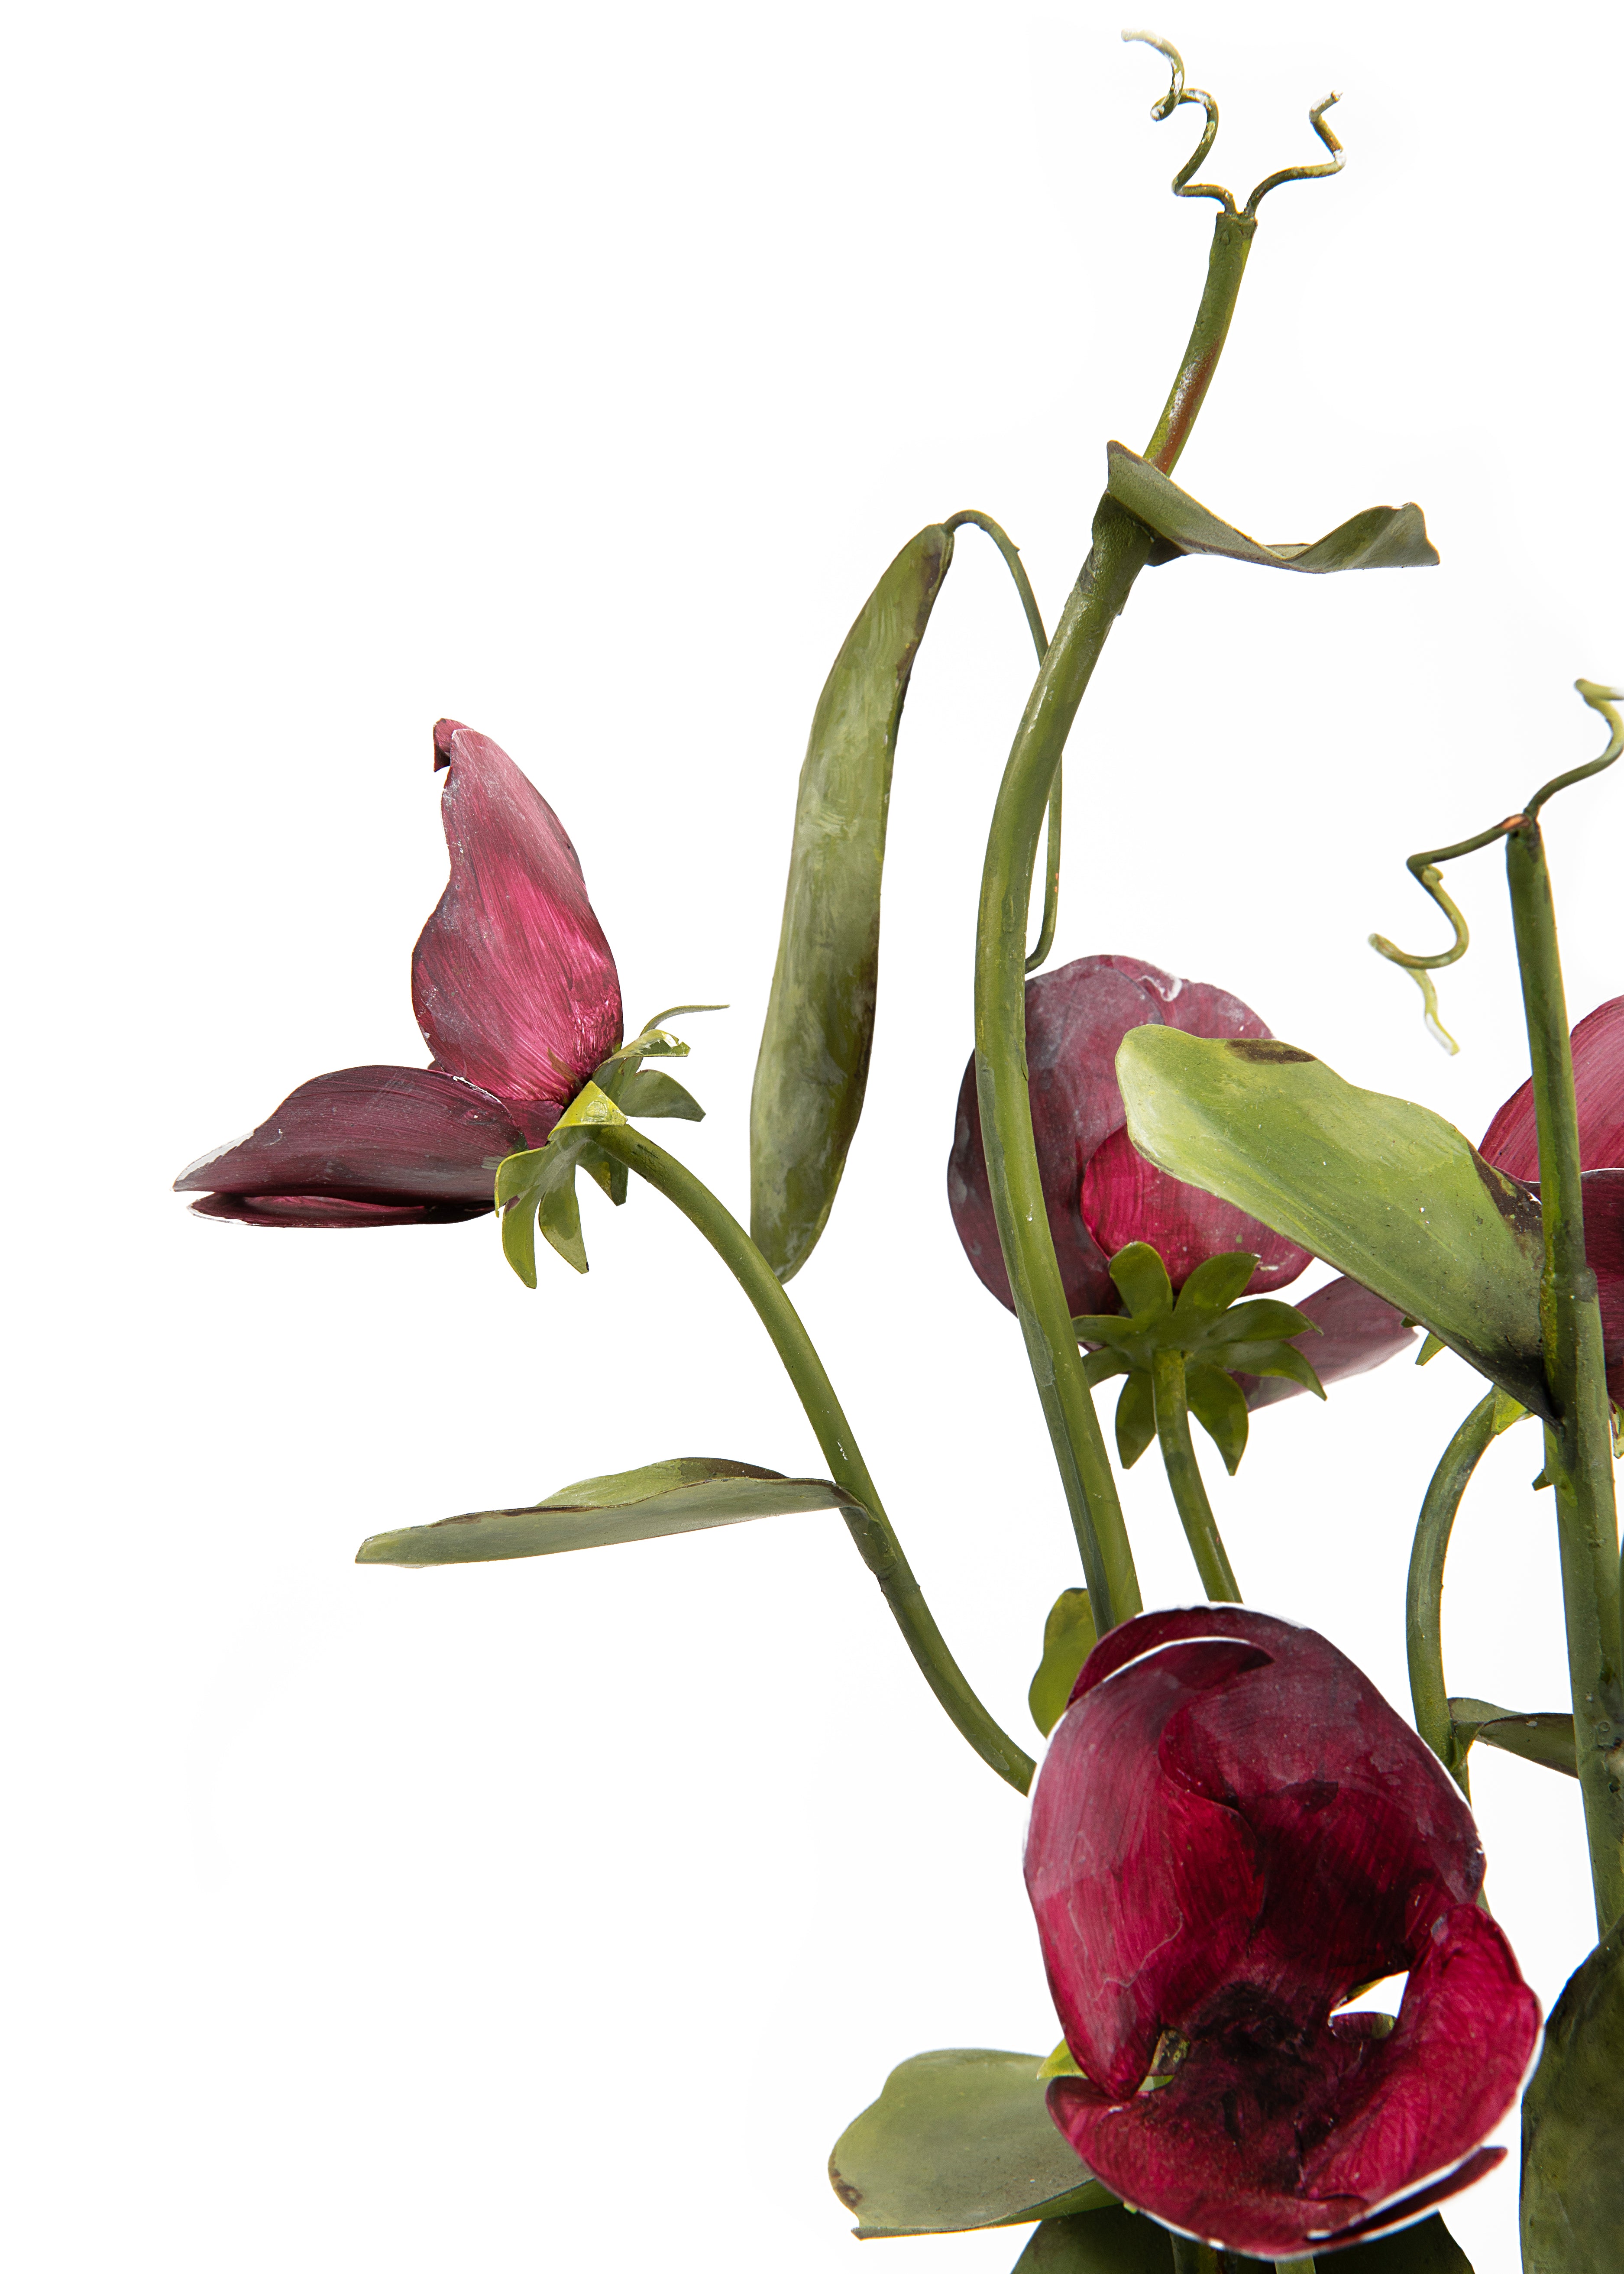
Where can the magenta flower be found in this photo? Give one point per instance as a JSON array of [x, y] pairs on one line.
[[1100, 1194], [516, 994], [1511, 1145], [1230, 1833]]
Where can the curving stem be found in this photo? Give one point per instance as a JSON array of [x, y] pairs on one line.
[[869, 1525], [1423, 1593], [1195, 1513]]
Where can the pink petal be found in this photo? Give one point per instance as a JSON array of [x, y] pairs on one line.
[[511, 979], [1125, 1198], [1599, 1085], [368, 1145], [1357, 1331], [1076, 1018]]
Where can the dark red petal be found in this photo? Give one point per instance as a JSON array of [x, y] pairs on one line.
[[1604, 1252], [511, 979], [1357, 1331], [405, 1143], [1076, 1018], [1126, 1198], [1599, 1085]]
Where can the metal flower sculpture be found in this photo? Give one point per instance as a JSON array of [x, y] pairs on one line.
[[517, 993], [1231, 1832]]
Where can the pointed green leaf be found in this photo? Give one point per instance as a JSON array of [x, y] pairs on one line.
[[1573, 2123], [655, 1095], [558, 1216], [1136, 1419], [543, 1181], [1387, 1191], [1114, 2241], [1282, 1359], [813, 1063], [689, 1495], [1265, 1319], [1219, 1405], [1382, 536], [1100, 1364], [1142, 1282], [958, 2139], [1546, 1739], [1109, 1327], [1213, 1285], [1068, 1637]]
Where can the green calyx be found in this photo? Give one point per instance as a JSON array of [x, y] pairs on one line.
[[1217, 1336], [539, 1187]]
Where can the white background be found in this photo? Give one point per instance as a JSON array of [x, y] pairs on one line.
[[576, 372]]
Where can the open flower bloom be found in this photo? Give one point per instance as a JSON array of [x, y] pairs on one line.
[[1231, 1832], [1100, 1194], [1511, 1145], [517, 993]]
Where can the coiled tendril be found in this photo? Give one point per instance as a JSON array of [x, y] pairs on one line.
[[1178, 93]]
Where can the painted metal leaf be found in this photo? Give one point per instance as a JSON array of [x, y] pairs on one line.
[[1069, 1635], [1382, 537], [813, 1063], [1114, 2241], [1546, 1739], [1572, 2121], [695, 1494], [960, 2139], [1387, 1191]]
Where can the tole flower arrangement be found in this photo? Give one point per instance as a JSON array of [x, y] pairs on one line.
[[1233, 1837]]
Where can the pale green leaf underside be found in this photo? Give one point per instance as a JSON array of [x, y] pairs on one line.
[[1382, 537], [1572, 2121], [1387, 1191], [693, 1494]]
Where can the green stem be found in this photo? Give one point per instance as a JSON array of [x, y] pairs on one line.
[[1579, 1442], [871, 1527], [1120, 549], [1167, 1378], [1423, 1594]]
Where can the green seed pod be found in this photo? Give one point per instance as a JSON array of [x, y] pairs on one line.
[[813, 1063]]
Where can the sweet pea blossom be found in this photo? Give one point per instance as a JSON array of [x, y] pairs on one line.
[[1511, 1145], [1101, 1195], [517, 997], [1230, 1833]]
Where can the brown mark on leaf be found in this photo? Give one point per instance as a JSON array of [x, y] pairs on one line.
[[850, 2196], [1269, 1052], [1515, 1202]]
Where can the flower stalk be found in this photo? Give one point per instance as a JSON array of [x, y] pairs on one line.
[[871, 1527], [1195, 1513], [1423, 1594]]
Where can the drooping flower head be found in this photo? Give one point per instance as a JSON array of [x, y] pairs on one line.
[[1231, 1832], [516, 994], [1101, 1195]]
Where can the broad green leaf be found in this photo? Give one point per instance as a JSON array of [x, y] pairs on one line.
[[813, 1063], [1382, 536], [1111, 2240], [1068, 1637], [1387, 1191], [691, 1495], [960, 2139], [1546, 1739], [1573, 2125]]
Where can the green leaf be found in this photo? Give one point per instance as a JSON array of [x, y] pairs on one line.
[[1573, 2122], [813, 1063], [1141, 1280], [1136, 1419], [1387, 1191], [1265, 1319], [1213, 1285], [1219, 1404], [656, 1096], [1382, 536], [542, 1183], [960, 2139], [1113, 2241], [1068, 1637], [1546, 1739], [689, 1495], [1426, 2248]]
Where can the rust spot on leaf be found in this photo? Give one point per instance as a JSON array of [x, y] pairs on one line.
[[1516, 1203], [1259, 1052], [850, 2196]]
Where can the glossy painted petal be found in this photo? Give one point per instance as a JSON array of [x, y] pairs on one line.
[[1076, 1018], [1125, 1198], [368, 1145], [511, 979], [1598, 1088], [1230, 1832], [1358, 1330]]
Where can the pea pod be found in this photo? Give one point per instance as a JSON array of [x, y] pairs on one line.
[[813, 1068]]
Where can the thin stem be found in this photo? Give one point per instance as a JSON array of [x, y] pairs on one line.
[[1579, 1443], [871, 1527], [1121, 548], [1423, 1594], [1167, 1377]]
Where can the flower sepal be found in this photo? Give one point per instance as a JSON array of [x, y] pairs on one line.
[[1219, 1337]]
